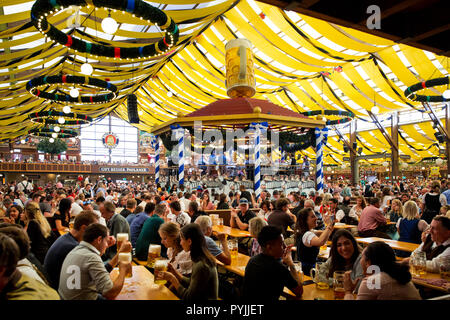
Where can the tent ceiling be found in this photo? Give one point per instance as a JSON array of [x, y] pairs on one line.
[[295, 60]]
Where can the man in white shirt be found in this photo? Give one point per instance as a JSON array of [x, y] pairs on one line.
[[437, 244], [184, 203], [181, 217], [25, 186]]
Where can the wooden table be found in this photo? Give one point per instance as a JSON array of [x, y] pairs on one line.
[[420, 281], [238, 265], [141, 286], [310, 292], [398, 245], [231, 232], [344, 226]]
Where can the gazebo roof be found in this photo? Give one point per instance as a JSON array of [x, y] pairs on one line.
[[241, 112], [243, 106]]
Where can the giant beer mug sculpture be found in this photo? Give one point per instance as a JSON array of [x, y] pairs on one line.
[[240, 77]]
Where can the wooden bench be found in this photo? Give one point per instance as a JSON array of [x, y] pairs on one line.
[[394, 244]]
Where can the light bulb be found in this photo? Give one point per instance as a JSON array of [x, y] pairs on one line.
[[86, 69], [141, 112], [66, 109], [439, 161], [446, 94], [375, 109], [54, 135], [169, 93], [61, 120], [109, 25], [22, 141], [73, 140], [57, 129], [51, 140], [74, 93]]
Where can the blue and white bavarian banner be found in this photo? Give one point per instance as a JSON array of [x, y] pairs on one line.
[[155, 145], [258, 127], [179, 133], [321, 139]]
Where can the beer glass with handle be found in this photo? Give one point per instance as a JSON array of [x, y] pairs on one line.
[[121, 237], [154, 253], [338, 285], [160, 265]]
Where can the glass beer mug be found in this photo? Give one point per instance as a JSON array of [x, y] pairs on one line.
[[338, 285], [160, 265], [126, 257], [154, 253], [233, 247], [319, 276], [121, 237]]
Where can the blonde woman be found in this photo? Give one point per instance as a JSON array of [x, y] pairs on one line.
[[38, 230], [254, 227], [396, 210], [410, 227], [170, 238]]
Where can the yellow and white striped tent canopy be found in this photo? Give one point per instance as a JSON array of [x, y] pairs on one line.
[[291, 54]]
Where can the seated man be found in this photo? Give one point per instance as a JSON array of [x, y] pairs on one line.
[[13, 284], [83, 273], [149, 233], [437, 243], [181, 217], [267, 273], [239, 219], [138, 222], [63, 245], [281, 217], [372, 222], [224, 256]]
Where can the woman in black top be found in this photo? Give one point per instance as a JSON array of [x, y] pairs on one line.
[[306, 239], [432, 202], [38, 230], [223, 202], [61, 218]]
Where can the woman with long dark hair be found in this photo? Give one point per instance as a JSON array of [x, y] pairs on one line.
[[13, 213], [203, 283], [61, 218], [308, 240], [385, 278], [345, 255]]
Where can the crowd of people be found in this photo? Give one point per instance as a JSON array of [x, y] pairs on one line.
[[49, 232]]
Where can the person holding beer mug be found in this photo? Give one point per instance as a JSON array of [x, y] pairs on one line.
[[203, 283], [170, 238]]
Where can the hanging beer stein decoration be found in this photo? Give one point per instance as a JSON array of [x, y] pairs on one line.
[[240, 77]]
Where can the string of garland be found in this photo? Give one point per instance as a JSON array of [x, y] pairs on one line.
[[415, 148], [347, 115], [51, 117], [409, 92], [139, 8], [47, 132], [33, 84]]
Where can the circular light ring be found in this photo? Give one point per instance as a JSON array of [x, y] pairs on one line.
[[409, 92], [51, 117], [346, 115], [139, 8], [35, 83], [46, 132]]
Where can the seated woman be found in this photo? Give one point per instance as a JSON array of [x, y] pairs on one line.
[[410, 227], [358, 207], [13, 214], [38, 230], [170, 238], [306, 239], [61, 218], [254, 227], [396, 210], [203, 283], [385, 278], [345, 255], [265, 211]]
